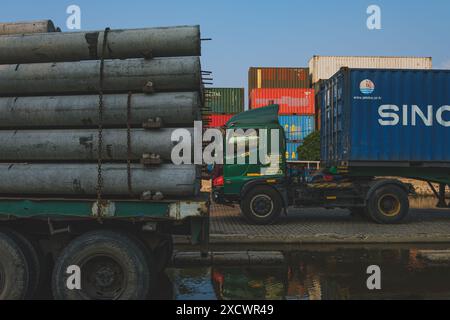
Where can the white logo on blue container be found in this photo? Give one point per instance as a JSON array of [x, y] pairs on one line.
[[367, 87]]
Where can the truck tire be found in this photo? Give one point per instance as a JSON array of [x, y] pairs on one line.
[[112, 265], [388, 204], [14, 270], [34, 261], [261, 205]]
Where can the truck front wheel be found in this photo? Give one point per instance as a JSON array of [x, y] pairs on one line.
[[388, 205], [261, 206]]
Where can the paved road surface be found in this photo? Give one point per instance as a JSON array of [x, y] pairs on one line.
[[328, 226]]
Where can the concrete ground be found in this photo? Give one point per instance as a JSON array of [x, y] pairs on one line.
[[318, 226]]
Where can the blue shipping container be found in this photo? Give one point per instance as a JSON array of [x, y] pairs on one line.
[[375, 115], [291, 150], [296, 127]]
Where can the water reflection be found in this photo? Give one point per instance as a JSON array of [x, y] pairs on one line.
[[263, 283], [341, 275]]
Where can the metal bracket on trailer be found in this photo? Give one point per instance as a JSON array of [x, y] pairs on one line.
[[148, 55], [152, 124], [54, 231], [442, 201], [151, 159], [148, 88], [152, 196]]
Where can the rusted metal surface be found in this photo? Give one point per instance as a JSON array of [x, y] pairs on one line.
[[82, 144], [277, 78], [184, 209], [81, 179], [105, 209], [24, 27], [179, 108], [85, 208], [120, 76], [122, 44]]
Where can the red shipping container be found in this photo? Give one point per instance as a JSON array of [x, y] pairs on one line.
[[218, 120], [291, 101]]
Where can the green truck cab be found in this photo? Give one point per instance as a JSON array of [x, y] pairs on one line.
[[263, 195], [250, 184], [237, 175]]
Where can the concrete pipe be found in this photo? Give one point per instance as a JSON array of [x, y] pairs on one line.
[[82, 145], [137, 75], [80, 180], [122, 44], [174, 109]]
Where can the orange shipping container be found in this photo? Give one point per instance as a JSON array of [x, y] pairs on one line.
[[291, 101]]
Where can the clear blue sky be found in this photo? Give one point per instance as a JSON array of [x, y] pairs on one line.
[[268, 33]]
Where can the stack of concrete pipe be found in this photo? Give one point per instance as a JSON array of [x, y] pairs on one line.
[[49, 112]]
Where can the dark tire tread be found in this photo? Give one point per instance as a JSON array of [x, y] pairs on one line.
[[277, 206], [16, 276], [130, 254]]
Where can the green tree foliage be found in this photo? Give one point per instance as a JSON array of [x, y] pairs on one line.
[[310, 150]]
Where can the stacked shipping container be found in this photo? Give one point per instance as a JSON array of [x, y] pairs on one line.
[[260, 78], [290, 89], [321, 68], [223, 104], [297, 128], [291, 101], [399, 127], [324, 67]]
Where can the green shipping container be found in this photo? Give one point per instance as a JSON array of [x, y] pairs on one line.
[[225, 100]]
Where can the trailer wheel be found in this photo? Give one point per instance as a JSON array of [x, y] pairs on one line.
[[34, 260], [261, 206], [388, 205], [14, 270], [113, 267]]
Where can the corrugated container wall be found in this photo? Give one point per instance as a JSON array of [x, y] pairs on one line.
[[324, 67], [297, 128], [266, 78], [218, 120], [318, 86], [225, 100], [291, 150], [386, 116], [291, 101]]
